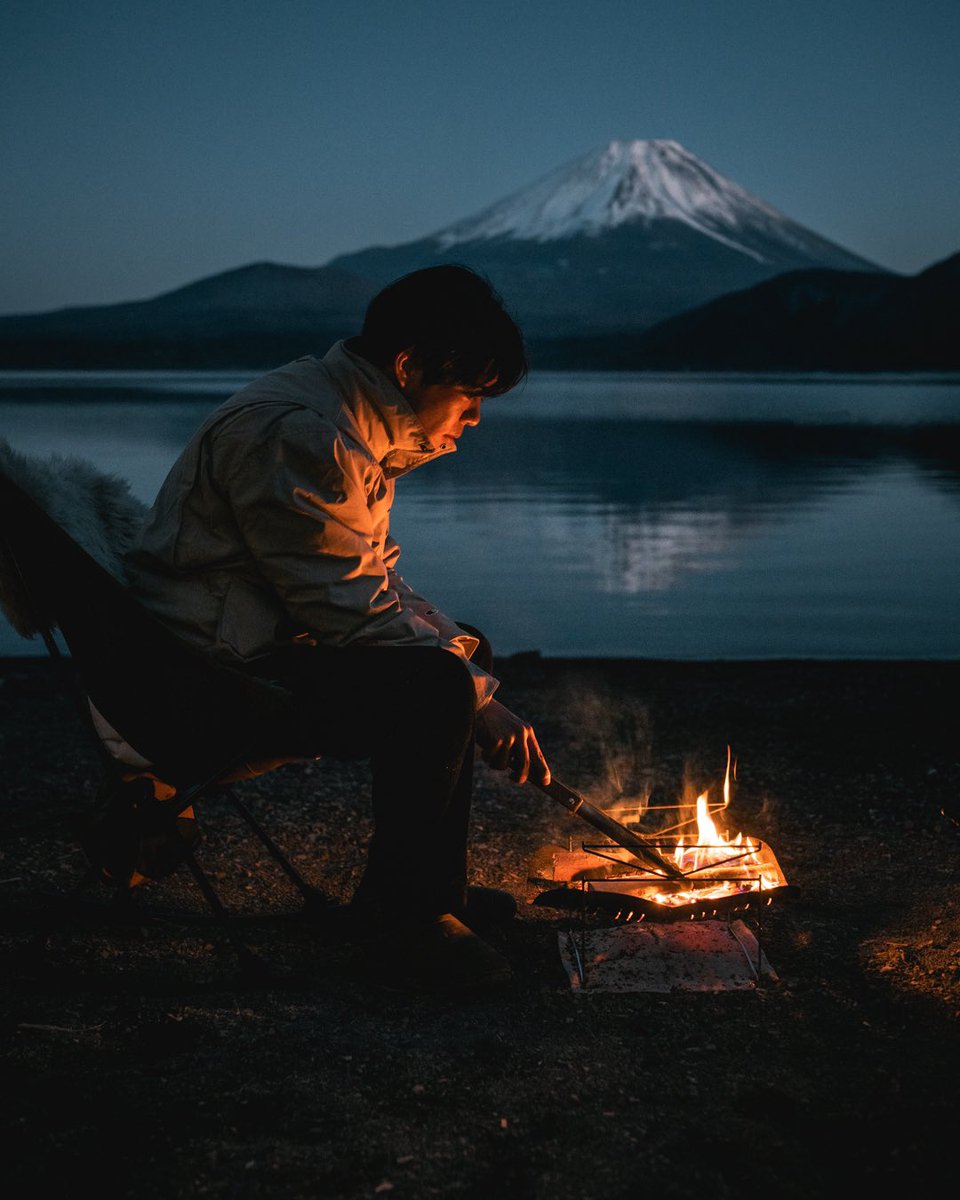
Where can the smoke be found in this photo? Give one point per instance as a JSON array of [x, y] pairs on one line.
[[609, 738]]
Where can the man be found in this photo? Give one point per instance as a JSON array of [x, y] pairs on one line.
[[269, 546]]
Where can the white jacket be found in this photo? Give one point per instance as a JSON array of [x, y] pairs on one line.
[[273, 525]]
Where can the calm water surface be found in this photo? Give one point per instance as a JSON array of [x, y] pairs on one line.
[[628, 515]]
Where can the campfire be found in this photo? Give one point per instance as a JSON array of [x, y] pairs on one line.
[[714, 873]]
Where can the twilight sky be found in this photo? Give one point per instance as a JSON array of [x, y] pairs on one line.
[[148, 143]]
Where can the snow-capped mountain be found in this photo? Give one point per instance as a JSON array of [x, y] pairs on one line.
[[620, 238], [639, 181]]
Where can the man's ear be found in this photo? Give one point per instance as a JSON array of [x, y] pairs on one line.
[[401, 368]]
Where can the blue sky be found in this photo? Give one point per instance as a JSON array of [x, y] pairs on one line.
[[145, 144]]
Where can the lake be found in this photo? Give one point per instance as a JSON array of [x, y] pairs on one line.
[[627, 515]]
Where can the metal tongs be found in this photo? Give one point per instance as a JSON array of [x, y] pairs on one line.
[[633, 842]]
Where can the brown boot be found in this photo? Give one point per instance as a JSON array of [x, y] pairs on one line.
[[486, 908]]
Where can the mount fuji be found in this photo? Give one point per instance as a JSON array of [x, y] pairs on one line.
[[619, 239], [606, 246], [642, 182]]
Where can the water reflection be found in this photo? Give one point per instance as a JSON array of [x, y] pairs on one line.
[[647, 501], [668, 462], [670, 539]]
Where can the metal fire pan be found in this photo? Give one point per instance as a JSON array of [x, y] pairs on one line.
[[621, 905]]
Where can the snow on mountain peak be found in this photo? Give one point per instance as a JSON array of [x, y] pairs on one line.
[[624, 182]]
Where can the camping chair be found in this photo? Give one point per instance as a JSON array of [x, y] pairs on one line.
[[199, 725]]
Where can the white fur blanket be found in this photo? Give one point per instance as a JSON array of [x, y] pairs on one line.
[[96, 509]]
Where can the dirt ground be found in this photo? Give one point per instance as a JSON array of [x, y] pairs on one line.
[[137, 1062]]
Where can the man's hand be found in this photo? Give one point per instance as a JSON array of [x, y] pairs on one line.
[[509, 744]]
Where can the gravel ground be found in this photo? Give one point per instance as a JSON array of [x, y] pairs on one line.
[[138, 1062]]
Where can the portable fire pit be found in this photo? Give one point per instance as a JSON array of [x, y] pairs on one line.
[[709, 876], [733, 880]]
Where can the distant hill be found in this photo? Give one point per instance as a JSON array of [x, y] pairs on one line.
[[254, 316], [620, 239], [816, 320]]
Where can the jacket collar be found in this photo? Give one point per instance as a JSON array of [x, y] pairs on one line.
[[386, 422]]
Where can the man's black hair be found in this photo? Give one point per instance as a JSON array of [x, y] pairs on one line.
[[453, 323]]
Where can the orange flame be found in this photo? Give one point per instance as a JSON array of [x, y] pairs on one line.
[[716, 864]]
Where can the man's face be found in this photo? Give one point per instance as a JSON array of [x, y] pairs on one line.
[[443, 409]]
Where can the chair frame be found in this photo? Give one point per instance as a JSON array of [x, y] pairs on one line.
[[138, 673]]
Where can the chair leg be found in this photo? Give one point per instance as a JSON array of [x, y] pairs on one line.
[[252, 968], [315, 902]]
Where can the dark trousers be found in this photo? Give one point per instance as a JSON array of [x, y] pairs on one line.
[[412, 712]]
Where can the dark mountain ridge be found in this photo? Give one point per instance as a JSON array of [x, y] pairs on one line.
[[815, 320]]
